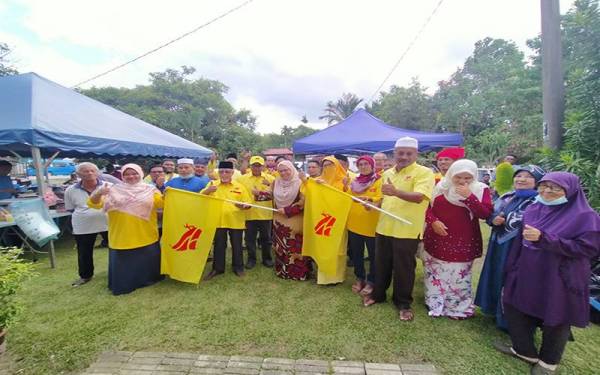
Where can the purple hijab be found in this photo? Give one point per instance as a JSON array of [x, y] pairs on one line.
[[548, 279]]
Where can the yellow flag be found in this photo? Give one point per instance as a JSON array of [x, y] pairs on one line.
[[325, 213], [189, 224]]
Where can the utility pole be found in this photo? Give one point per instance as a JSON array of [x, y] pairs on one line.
[[553, 92]]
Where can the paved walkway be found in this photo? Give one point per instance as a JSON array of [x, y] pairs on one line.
[[159, 363]]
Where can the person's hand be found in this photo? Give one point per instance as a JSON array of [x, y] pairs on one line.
[[388, 188], [499, 220], [266, 182], [213, 156], [242, 206], [439, 228], [255, 192], [346, 180], [463, 191], [531, 234], [246, 155], [160, 181], [302, 176], [320, 181], [281, 211], [211, 189], [103, 190]]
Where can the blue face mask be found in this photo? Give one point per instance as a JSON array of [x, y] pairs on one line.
[[556, 202]]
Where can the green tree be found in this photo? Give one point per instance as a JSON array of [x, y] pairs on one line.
[[6, 69], [341, 109]]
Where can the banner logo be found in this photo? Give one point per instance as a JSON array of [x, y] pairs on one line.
[[189, 239], [324, 226]]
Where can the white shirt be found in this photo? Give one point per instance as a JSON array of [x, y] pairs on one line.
[[85, 220]]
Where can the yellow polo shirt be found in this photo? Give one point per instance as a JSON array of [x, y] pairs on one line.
[[414, 178], [360, 220], [263, 183], [231, 216], [126, 231]]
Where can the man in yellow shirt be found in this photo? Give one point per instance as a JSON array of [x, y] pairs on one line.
[[232, 220], [259, 185], [407, 190]]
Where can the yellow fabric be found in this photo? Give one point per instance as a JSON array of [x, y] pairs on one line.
[[360, 220], [231, 216], [272, 172], [263, 183], [126, 231], [414, 178], [333, 175], [188, 233], [211, 166], [325, 213]]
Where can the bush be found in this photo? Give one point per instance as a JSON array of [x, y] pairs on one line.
[[13, 272]]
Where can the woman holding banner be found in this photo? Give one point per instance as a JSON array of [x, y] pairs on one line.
[[362, 221], [134, 251], [288, 198], [334, 175]]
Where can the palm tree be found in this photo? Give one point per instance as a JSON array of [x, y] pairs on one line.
[[338, 111]]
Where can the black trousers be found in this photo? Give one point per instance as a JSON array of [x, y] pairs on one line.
[[395, 257], [85, 253], [356, 244], [253, 228], [220, 245], [521, 328]]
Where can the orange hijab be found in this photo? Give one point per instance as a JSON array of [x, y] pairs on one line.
[[333, 174]]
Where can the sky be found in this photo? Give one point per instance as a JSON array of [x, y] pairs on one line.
[[282, 59]]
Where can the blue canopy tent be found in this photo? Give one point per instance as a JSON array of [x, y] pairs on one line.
[[41, 118], [362, 133]]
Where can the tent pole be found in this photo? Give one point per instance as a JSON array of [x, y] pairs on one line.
[[37, 164]]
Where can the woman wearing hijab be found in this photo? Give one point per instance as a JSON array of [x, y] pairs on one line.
[[134, 251], [452, 240], [506, 224], [334, 174], [548, 271], [288, 198], [362, 222]]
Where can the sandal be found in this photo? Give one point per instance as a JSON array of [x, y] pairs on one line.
[[358, 286], [406, 315]]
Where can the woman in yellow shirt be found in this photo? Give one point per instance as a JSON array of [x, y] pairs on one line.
[[134, 251], [362, 221]]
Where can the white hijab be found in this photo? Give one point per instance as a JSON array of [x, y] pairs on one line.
[[447, 188]]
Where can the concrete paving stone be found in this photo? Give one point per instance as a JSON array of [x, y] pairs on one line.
[[382, 366], [134, 372], [311, 373], [204, 357], [238, 364], [149, 354], [103, 370], [349, 370], [241, 371], [312, 362], [117, 352], [241, 358], [98, 373], [417, 367], [211, 364], [383, 372], [275, 372], [206, 370], [138, 366], [347, 364], [420, 372], [173, 368], [106, 365], [146, 360], [168, 373], [278, 366], [183, 355], [113, 358], [285, 361], [311, 369], [177, 361]]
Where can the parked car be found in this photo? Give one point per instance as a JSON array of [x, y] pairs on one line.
[[59, 167]]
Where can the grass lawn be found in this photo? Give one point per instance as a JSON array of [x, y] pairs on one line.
[[63, 329]]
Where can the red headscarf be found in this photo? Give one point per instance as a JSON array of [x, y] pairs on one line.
[[364, 181], [453, 153]]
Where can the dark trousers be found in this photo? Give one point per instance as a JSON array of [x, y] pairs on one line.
[[356, 243], [521, 328], [85, 253], [253, 228], [220, 244], [395, 257]]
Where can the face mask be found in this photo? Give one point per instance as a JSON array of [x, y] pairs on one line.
[[556, 202]]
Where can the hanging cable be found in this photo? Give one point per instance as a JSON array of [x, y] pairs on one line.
[[165, 44]]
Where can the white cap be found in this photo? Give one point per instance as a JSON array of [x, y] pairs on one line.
[[407, 142], [185, 161]]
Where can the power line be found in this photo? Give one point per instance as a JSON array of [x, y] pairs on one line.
[[165, 44], [407, 49]]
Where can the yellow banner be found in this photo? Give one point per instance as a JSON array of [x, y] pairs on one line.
[[325, 213], [189, 223]]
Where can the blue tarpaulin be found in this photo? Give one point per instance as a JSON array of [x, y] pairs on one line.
[[40, 113], [362, 132]]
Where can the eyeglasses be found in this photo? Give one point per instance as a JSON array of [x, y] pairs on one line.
[[553, 189]]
